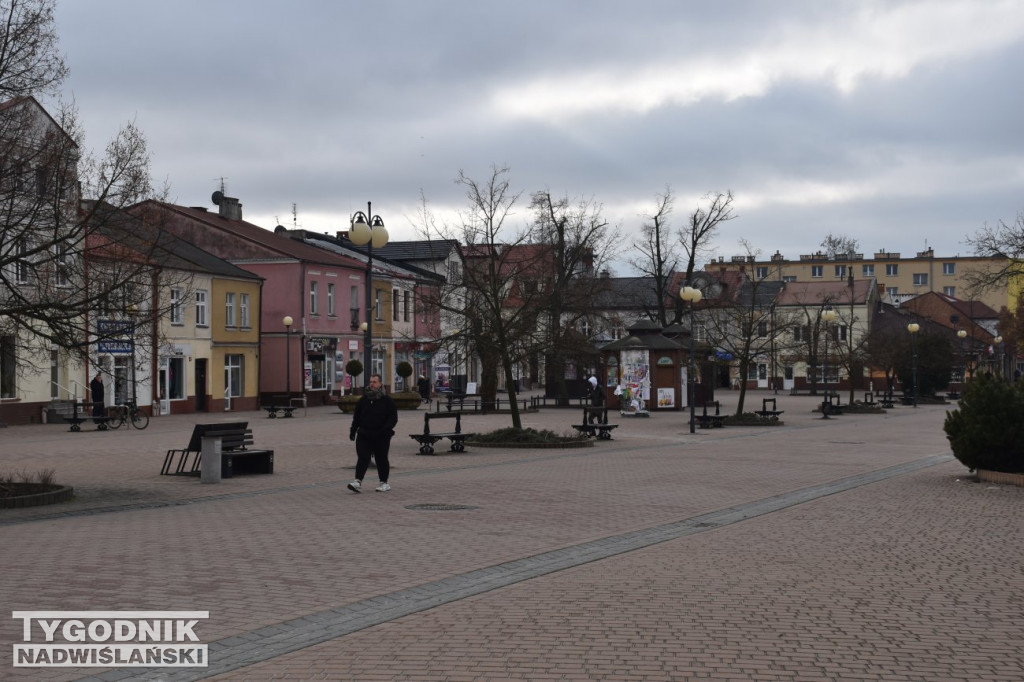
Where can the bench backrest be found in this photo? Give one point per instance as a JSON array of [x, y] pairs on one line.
[[437, 415], [711, 403], [764, 404], [232, 439], [195, 443]]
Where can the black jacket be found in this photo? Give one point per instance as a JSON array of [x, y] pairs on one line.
[[375, 418]]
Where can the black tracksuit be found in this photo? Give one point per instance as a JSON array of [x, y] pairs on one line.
[[373, 424]]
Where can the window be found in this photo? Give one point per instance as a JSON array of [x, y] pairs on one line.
[[762, 329], [817, 271], [892, 292], [892, 269], [229, 310], [378, 307], [42, 181], [396, 296], [8, 385], [177, 314], [840, 271], [243, 311], [801, 333], [407, 310], [949, 268], [867, 270], [920, 279], [313, 309], [21, 265], [234, 375], [353, 304], [789, 278], [840, 334], [330, 300], [949, 291], [201, 308], [761, 272], [62, 264]]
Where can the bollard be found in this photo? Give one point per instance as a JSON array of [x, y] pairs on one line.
[[210, 471]]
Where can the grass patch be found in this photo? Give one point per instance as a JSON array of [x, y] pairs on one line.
[[525, 437], [13, 484]]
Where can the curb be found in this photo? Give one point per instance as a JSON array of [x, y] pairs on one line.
[[59, 494]]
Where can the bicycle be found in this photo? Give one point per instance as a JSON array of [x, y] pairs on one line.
[[129, 413]]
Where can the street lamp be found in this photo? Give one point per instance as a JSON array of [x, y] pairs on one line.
[[962, 335], [371, 233], [827, 315], [287, 320], [913, 328], [691, 295], [133, 311], [999, 354]]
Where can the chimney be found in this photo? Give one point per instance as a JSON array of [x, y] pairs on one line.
[[230, 208]]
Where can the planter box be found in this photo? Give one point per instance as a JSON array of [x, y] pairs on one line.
[[1000, 477]]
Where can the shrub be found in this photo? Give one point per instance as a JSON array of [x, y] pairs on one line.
[[528, 435], [354, 367], [986, 430], [403, 369]]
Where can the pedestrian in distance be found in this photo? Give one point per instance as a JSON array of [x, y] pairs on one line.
[[424, 386], [96, 393], [596, 400], [373, 425]]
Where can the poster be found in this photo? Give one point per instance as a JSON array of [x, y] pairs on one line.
[[666, 398]]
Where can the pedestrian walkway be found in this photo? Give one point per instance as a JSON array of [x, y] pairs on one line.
[[847, 548]]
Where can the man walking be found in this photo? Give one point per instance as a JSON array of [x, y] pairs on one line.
[[373, 425], [96, 393]]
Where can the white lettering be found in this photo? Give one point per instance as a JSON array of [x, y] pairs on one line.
[[185, 630], [149, 631], [74, 631], [49, 628], [124, 630], [94, 631]]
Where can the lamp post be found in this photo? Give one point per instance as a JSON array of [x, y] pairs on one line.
[[827, 315], [999, 354], [962, 335], [133, 312], [913, 328], [691, 295], [287, 320], [369, 232]]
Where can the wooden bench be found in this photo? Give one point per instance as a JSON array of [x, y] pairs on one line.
[[716, 420], [77, 419], [886, 400], [280, 403], [771, 415], [602, 429], [831, 404], [427, 439], [236, 455]]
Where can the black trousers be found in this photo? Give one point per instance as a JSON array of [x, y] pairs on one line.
[[376, 447]]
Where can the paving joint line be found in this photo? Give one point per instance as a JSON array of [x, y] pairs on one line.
[[263, 644]]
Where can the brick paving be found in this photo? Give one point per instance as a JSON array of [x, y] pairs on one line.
[[727, 554]]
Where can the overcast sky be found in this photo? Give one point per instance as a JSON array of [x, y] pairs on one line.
[[898, 124]]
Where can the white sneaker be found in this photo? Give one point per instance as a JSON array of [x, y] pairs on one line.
[[355, 486], [383, 488]]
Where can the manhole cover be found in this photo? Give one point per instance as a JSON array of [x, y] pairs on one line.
[[439, 507]]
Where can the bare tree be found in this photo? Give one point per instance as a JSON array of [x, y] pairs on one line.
[[839, 246], [658, 258], [62, 260], [1004, 242], [580, 241], [744, 323], [702, 226]]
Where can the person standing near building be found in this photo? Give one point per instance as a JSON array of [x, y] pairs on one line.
[[373, 425], [424, 386], [596, 400], [96, 393]]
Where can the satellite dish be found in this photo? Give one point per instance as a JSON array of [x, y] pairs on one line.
[[217, 197]]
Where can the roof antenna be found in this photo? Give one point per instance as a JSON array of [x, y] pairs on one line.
[[295, 215]]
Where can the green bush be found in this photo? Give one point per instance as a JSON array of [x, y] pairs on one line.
[[403, 369], [354, 368], [986, 431]]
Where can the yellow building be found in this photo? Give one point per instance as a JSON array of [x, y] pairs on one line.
[[900, 277]]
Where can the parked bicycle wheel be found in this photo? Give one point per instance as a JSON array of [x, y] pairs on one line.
[[140, 420], [116, 415]]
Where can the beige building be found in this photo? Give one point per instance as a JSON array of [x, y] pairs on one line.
[[901, 277]]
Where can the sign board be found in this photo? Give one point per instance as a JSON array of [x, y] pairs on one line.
[[114, 347]]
